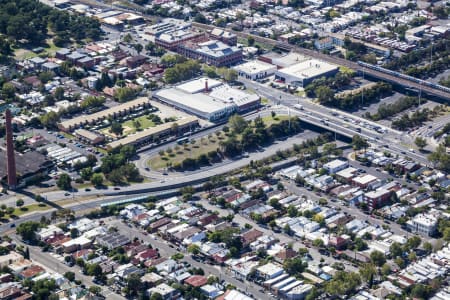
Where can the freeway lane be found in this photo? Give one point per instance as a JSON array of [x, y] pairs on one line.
[[316, 114]]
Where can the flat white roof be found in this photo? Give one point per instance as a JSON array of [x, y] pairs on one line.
[[200, 102], [308, 68], [346, 173], [227, 94], [270, 269], [365, 179], [198, 85], [255, 67], [335, 163], [425, 219]]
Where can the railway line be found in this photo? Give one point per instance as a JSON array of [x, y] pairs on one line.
[[372, 72]]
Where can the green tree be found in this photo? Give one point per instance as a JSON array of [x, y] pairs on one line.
[[19, 202], [428, 247], [294, 266], [156, 296], [420, 142], [318, 243], [194, 249], [70, 276], [8, 91], [400, 262], [86, 173], [138, 47], [324, 94], [237, 123], [359, 143], [343, 283], [367, 272], [27, 230], [134, 284], [413, 242], [386, 269], [64, 182], [421, 291], [95, 290], [250, 41], [116, 128], [97, 179], [125, 94], [377, 258], [59, 93], [395, 249], [50, 119]]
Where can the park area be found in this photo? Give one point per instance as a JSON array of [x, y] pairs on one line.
[[131, 126], [210, 149]]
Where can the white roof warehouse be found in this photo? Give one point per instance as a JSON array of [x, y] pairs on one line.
[[195, 97]]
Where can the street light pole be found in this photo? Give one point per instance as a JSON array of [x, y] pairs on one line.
[[362, 94]]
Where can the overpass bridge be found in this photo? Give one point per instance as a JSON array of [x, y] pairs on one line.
[[395, 80]]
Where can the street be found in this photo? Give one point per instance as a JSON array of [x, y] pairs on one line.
[[53, 264], [283, 238], [166, 251]]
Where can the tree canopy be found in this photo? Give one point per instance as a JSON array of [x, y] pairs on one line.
[[30, 20]]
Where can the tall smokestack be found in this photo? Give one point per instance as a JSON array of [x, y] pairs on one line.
[[10, 159], [206, 85]]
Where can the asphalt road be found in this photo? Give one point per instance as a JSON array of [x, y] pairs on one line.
[[340, 122], [283, 238]]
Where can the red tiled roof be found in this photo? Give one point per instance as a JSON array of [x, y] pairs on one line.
[[32, 271], [251, 236], [196, 280], [147, 254]]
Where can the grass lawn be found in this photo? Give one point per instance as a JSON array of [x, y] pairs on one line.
[[264, 101], [30, 208], [67, 135], [128, 127], [49, 50], [24, 54], [204, 146], [143, 120], [192, 150], [268, 120]]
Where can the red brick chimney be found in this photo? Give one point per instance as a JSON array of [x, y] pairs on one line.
[[10, 159], [206, 85]]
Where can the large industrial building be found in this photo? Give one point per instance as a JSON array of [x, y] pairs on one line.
[[255, 70], [303, 73], [208, 99]]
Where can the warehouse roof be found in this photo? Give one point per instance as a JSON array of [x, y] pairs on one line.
[[87, 134], [200, 102], [196, 86], [308, 68], [254, 67]]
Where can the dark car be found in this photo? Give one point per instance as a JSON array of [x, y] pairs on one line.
[[116, 188]]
